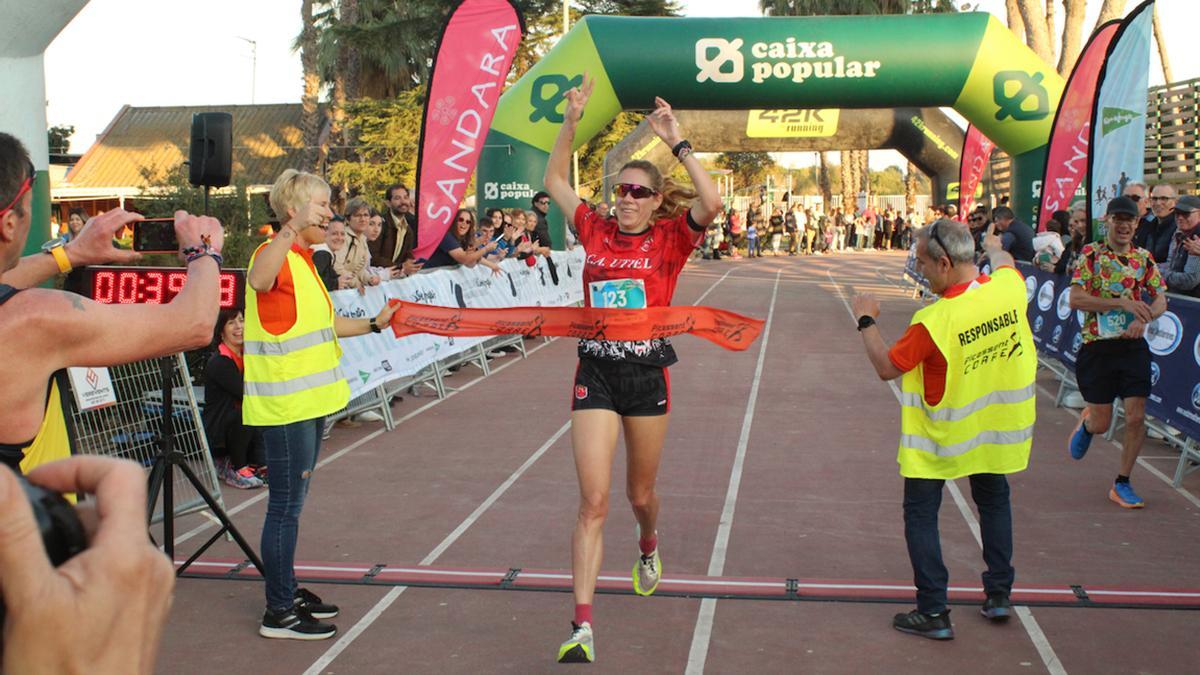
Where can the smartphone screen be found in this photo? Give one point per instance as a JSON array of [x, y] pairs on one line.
[[155, 235]]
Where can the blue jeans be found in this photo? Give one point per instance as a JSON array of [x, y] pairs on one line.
[[751, 246], [291, 457], [922, 498]]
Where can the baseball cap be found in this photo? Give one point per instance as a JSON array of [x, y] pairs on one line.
[[1123, 205], [1187, 204]]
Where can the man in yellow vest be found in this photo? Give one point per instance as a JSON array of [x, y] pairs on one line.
[[292, 381], [967, 400]]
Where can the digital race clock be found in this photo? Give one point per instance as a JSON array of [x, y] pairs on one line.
[[154, 285]]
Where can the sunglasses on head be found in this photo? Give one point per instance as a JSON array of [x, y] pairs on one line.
[[933, 234], [637, 191], [26, 186]]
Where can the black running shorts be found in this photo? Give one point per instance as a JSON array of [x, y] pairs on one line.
[[1110, 369], [628, 389]]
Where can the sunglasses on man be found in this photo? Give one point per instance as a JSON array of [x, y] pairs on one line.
[[637, 191], [26, 186]]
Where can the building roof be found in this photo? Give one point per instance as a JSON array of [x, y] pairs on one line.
[[266, 140]]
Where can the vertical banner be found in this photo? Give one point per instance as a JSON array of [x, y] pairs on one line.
[[1119, 115], [977, 151], [1067, 157], [470, 65]]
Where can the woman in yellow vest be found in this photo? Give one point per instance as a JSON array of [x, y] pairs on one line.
[[292, 381], [967, 409]]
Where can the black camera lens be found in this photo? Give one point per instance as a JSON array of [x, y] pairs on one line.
[[62, 531]]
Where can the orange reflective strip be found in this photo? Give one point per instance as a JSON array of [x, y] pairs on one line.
[[727, 329]]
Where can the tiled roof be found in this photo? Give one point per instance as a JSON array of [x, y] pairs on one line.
[[266, 140]]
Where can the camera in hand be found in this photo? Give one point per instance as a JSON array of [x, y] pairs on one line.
[[155, 235], [62, 531]]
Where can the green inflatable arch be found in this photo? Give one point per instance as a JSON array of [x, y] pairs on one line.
[[970, 62]]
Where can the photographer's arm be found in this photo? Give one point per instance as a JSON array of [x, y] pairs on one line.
[[92, 246], [92, 334]]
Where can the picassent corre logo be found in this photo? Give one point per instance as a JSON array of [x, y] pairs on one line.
[[1030, 288], [1164, 334], [1064, 303], [1045, 298]]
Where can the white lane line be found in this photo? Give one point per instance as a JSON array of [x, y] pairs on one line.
[[1040, 642], [1183, 492], [380, 607], [387, 600], [353, 446], [702, 633], [710, 288]]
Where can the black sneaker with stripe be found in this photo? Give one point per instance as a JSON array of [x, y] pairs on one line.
[[308, 602], [294, 625]]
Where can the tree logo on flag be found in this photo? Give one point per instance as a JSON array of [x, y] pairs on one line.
[[1027, 86], [1115, 118]]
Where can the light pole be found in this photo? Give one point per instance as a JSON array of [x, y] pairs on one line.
[[253, 65]]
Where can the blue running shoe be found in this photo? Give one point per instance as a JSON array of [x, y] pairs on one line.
[[1081, 438], [1124, 496]]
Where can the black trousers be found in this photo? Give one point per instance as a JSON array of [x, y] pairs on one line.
[[922, 499]]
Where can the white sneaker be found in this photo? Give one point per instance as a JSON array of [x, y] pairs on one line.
[[580, 647], [368, 416], [647, 572]]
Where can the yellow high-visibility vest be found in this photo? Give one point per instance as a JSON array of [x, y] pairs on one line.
[[984, 422], [293, 376]]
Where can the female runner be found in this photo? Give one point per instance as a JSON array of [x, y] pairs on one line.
[[633, 261]]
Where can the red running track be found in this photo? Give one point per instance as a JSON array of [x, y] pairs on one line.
[[780, 463]]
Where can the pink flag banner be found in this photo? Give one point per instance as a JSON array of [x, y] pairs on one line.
[[977, 151], [1070, 140], [470, 66]]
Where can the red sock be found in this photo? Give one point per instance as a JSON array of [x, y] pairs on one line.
[[583, 614], [648, 545]]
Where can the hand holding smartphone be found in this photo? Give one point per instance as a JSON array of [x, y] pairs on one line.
[[155, 235]]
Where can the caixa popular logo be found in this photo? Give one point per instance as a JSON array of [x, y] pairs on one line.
[[1030, 288], [1077, 343], [1045, 296], [1196, 349], [1038, 323], [1057, 334], [1064, 303], [1165, 334], [1196, 397], [719, 60], [1155, 373]]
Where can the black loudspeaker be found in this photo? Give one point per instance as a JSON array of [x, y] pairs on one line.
[[211, 157]]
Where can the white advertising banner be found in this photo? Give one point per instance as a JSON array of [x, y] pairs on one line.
[[371, 360]]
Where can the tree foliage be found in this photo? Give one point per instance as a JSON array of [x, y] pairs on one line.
[[749, 168], [60, 138], [388, 131]]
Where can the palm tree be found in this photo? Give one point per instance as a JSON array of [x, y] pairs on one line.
[[310, 121]]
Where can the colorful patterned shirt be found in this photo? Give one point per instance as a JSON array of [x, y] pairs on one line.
[[1103, 273]]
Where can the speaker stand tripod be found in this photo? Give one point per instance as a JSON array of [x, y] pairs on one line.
[[162, 479]]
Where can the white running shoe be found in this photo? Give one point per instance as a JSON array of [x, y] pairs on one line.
[[647, 572], [580, 647]]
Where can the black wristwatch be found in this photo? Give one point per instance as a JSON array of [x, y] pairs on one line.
[[681, 150], [374, 326], [865, 321]]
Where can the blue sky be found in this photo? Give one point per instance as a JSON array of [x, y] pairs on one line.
[[193, 53]]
